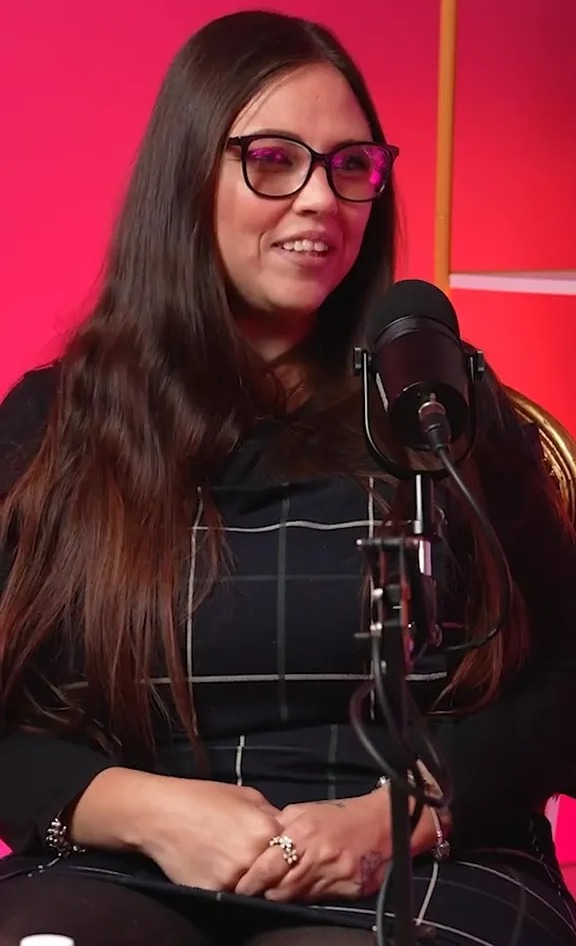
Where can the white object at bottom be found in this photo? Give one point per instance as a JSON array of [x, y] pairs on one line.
[[46, 939]]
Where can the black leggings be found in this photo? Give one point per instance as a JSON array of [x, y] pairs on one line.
[[99, 913], [470, 904]]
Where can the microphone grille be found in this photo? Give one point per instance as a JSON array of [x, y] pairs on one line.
[[411, 297]]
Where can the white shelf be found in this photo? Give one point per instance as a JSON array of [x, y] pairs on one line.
[[552, 283]]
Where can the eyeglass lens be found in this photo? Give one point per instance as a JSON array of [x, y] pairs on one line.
[[278, 168]]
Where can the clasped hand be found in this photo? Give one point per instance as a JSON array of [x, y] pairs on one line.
[[217, 836], [343, 847]]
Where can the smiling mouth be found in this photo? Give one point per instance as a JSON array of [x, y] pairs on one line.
[[310, 247]]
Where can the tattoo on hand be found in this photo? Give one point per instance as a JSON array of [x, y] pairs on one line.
[[370, 868]]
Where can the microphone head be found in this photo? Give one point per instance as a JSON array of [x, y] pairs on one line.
[[411, 298], [418, 357]]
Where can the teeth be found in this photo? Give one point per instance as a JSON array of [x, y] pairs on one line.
[[306, 246]]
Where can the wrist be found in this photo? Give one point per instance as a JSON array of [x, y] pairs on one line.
[[431, 834], [113, 811], [434, 825], [375, 808]]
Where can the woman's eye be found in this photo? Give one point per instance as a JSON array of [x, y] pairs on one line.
[[266, 156]]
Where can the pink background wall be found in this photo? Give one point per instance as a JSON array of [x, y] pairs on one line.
[[82, 78]]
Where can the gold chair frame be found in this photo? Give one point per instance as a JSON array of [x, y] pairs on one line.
[[557, 443]]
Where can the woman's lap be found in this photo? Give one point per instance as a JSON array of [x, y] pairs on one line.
[[94, 912], [490, 903], [91, 912], [482, 903]]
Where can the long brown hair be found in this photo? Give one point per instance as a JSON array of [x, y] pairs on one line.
[[154, 391]]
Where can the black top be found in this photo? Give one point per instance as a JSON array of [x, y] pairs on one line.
[[273, 659]]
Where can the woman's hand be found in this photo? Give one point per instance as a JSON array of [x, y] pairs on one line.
[[344, 848], [208, 834], [200, 833]]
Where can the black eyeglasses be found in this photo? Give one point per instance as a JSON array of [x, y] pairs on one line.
[[279, 166]]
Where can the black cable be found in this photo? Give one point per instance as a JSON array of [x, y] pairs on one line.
[[407, 777], [494, 542], [406, 774], [402, 749], [382, 924], [429, 757], [415, 789]]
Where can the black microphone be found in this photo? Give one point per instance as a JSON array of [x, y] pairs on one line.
[[420, 365]]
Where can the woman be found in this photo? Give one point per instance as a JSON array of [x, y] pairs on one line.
[[183, 492]]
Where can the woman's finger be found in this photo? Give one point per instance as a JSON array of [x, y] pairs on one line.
[[268, 870]]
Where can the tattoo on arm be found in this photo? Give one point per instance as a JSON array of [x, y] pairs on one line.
[[371, 865]]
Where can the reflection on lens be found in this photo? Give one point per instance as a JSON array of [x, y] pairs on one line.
[[278, 167]]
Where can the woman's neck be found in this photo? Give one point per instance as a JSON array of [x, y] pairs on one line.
[[274, 341]]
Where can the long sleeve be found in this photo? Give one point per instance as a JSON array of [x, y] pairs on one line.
[[511, 756], [39, 774], [23, 418]]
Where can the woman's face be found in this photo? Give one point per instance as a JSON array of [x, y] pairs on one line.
[[275, 274]]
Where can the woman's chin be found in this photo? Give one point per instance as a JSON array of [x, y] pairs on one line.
[[298, 301]]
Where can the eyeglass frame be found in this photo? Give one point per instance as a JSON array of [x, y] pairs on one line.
[[316, 158]]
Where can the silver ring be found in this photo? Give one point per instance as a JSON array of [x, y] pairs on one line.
[[289, 852]]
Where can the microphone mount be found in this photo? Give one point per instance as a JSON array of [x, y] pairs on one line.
[[402, 623], [430, 413]]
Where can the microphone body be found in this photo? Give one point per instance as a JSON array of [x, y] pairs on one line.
[[421, 365]]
